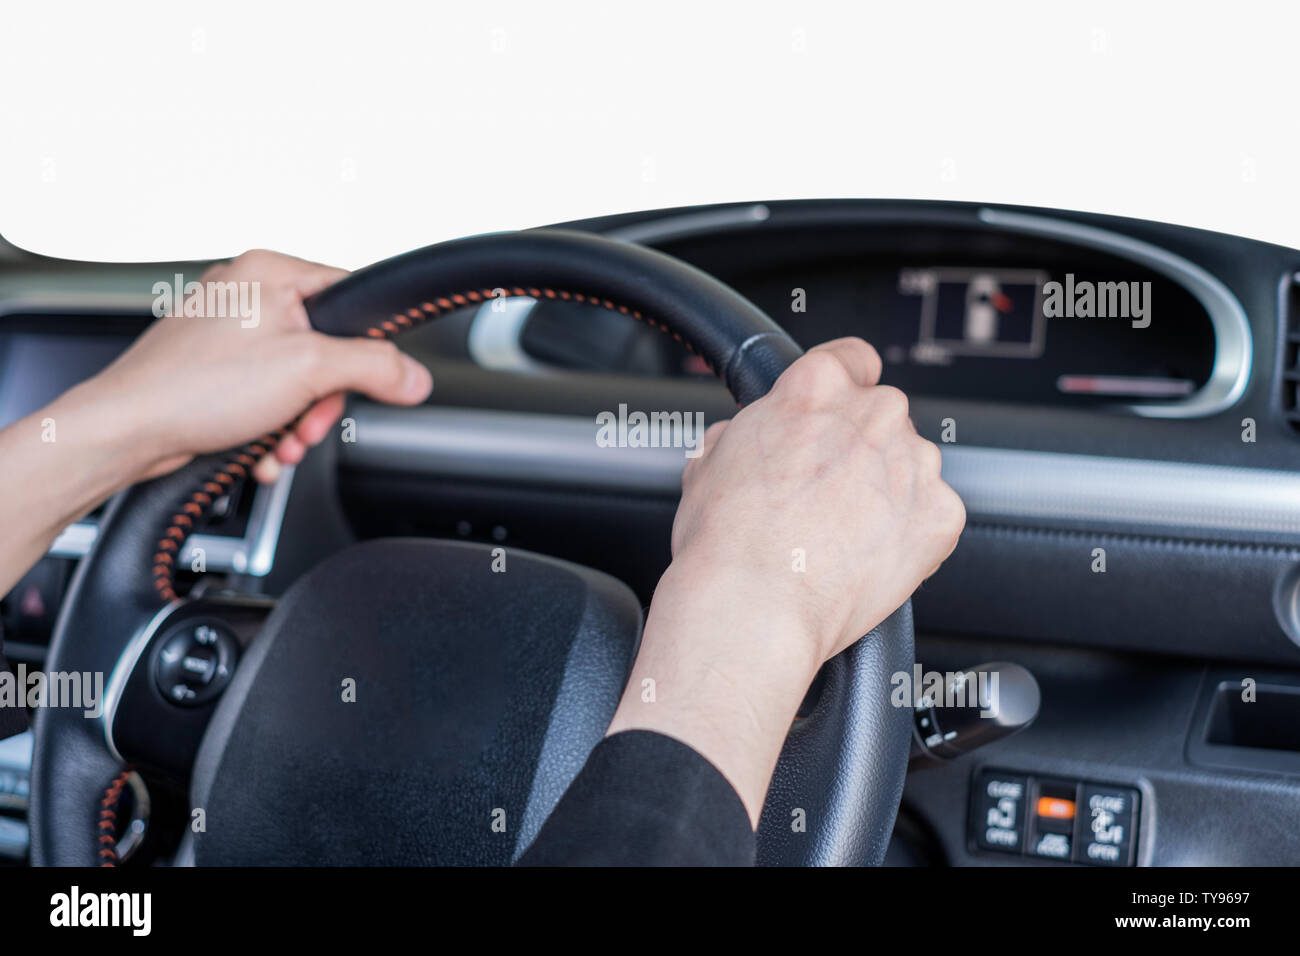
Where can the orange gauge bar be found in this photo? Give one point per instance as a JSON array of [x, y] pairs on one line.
[[1055, 808]]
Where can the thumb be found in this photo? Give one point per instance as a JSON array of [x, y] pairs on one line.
[[373, 367]]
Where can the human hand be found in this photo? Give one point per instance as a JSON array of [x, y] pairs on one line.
[[188, 386], [807, 519], [819, 501], [196, 384]]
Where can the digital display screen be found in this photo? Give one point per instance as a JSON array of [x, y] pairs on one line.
[[962, 312], [36, 368], [998, 333], [978, 312]]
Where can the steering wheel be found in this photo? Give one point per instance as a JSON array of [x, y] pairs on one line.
[[414, 701]]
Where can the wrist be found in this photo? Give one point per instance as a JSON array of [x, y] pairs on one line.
[[104, 438], [721, 673], [766, 604]]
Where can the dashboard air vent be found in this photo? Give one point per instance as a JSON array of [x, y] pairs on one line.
[[1290, 377]]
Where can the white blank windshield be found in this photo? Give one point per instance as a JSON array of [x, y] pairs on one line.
[[344, 134]]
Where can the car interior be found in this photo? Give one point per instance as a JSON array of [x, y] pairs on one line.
[[1117, 402]]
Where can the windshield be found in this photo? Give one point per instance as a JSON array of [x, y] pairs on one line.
[[206, 132]]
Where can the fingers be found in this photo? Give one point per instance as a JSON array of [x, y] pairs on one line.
[[372, 367], [303, 277], [281, 285], [308, 278], [317, 420], [290, 450], [267, 470], [860, 360], [337, 365], [824, 375], [309, 431]]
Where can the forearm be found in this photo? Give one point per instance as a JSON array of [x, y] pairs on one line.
[[140, 418], [720, 673], [60, 462]]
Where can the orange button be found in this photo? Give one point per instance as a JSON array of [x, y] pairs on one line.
[[1056, 808]]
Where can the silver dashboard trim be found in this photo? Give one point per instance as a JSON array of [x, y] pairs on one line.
[[133, 834], [124, 667], [495, 332], [16, 763], [74, 540], [265, 522], [687, 223], [1125, 492], [494, 340], [994, 483], [253, 554], [475, 444], [16, 297], [1230, 373], [1234, 346], [136, 649]]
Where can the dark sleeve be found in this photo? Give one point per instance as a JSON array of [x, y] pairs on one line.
[[644, 799], [13, 719]]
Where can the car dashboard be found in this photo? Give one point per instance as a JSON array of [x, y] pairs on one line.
[[1116, 401]]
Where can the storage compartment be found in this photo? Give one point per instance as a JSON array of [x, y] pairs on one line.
[[1248, 724], [1269, 722]]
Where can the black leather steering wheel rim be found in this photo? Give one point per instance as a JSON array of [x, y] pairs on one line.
[[845, 765]]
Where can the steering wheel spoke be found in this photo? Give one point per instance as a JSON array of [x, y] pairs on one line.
[[166, 685]]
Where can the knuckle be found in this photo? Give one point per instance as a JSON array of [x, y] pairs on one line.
[[214, 272], [383, 351], [314, 353], [931, 457], [890, 402], [819, 365], [253, 258], [867, 351], [952, 510], [814, 378], [714, 431]]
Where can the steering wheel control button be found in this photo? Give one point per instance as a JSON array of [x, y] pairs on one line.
[[998, 811], [1069, 821], [1106, 826], [194, 662]]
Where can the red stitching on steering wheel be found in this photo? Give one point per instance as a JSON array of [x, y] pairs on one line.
[[242, 459], [108, 819], [432, 309], [196, 506]]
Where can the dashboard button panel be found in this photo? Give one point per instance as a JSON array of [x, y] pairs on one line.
[[1107, 825], [1051, 818], [998, 811]]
